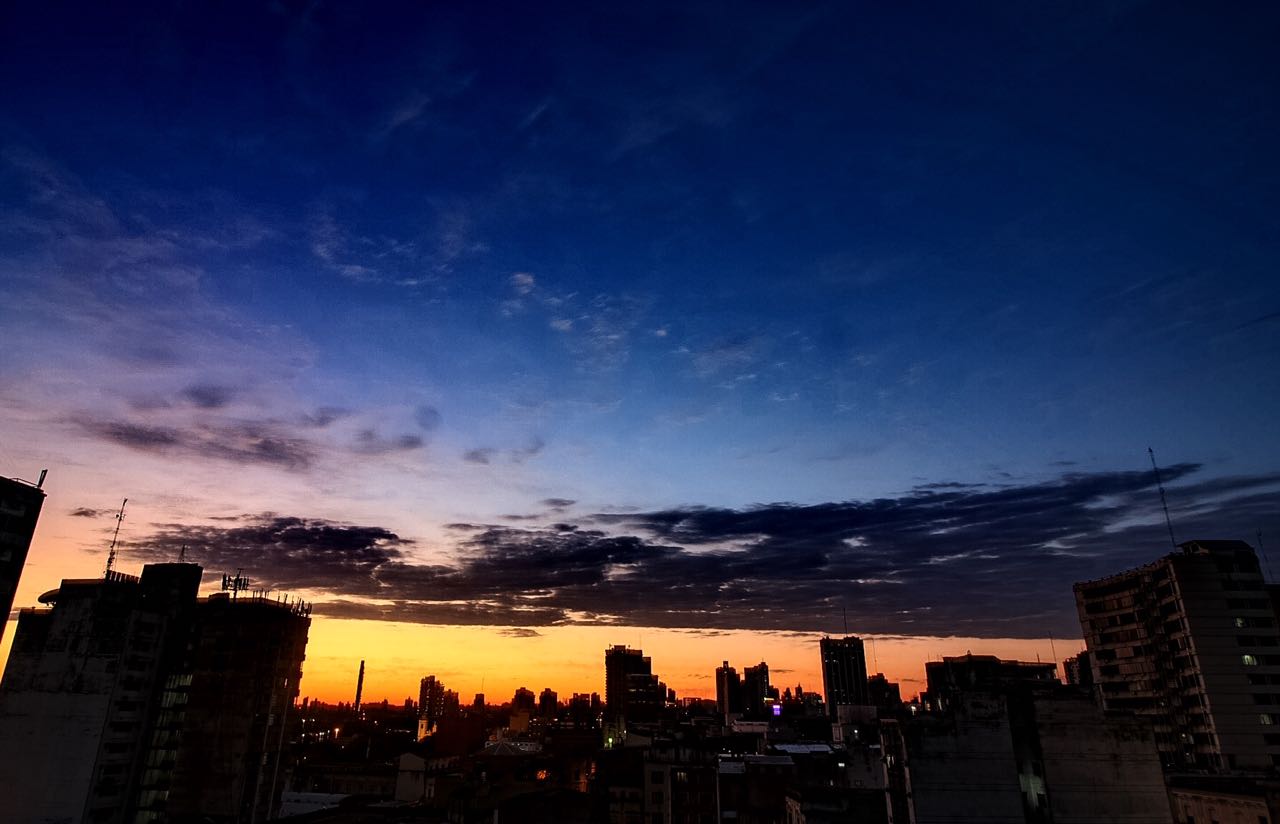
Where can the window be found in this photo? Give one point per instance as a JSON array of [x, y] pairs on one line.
[[1249, 660]]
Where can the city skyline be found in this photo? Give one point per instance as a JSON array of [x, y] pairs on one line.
[[509, 338]]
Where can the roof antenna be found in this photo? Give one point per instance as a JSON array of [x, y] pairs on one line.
[[182, 554], [111, 553], [845, 611], [1265, 559], [1163, 501]]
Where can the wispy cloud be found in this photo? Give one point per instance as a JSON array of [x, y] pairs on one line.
[[242, 442]]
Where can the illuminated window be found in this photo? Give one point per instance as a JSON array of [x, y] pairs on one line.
[[1249, 660]]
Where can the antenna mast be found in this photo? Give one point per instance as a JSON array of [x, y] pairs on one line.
[[1163, 501], [111, 553]]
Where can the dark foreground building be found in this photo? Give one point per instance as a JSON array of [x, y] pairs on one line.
[[1189, 642], [248, 664], [20, 504], [125, 696]]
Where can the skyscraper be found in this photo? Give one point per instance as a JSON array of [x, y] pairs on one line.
[[844, 672], [755, 689], [631, 690], [20, 504], [1190, 641], [430, 705], [728, 692]]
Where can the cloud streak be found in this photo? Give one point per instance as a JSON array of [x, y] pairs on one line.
[[983, 561]]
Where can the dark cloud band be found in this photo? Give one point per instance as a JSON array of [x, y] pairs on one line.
[[985, 561]]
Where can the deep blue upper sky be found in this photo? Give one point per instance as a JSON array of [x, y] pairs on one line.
[[640, 257]]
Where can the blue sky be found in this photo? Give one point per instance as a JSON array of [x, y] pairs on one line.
[[399, 267]]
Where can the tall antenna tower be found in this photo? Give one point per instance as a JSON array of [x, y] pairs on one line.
[[1163, 501], [111, 553]]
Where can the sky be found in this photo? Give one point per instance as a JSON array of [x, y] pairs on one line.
[[504, 333]]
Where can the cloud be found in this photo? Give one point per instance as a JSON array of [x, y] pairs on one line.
[[369, 442], [558, 503], [982, 561], [485, 455], [241, 442], [520, 632], [276, 551], [428, 418], [522, 283], [208, 396], [86, 512], [406, 112], [526, 452], [324, 415]]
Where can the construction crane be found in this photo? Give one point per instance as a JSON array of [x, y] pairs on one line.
[[111, 554], [1163, 502]]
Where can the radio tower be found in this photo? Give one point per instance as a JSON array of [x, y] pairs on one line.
[[111, 554]]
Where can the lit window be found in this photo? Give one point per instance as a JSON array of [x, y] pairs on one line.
[[1266, 718], [1249, 660]]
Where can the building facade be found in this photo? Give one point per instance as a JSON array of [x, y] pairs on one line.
[[247, 666], [128, 700], [1190, 642], [80, 702]]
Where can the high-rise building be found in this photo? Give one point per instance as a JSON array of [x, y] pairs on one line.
[[234, 758], [844, 672], [1190, 642], [548, 703], [430, 705], [20, 504], [524, 700], [884, 694], [755, 689], [631, 690], [728, 692], [120, 683], [620, 665], [80, 699]]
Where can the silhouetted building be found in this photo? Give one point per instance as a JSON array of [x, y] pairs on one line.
[[755, 689], [430, 705], [844, 673], [81, 693], [728, 692], [548, 703], [1078, 671], [523, 701], [963, 673], [232, 764], [1190, 642], [883, 694], [20, 504], [631, 691]]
